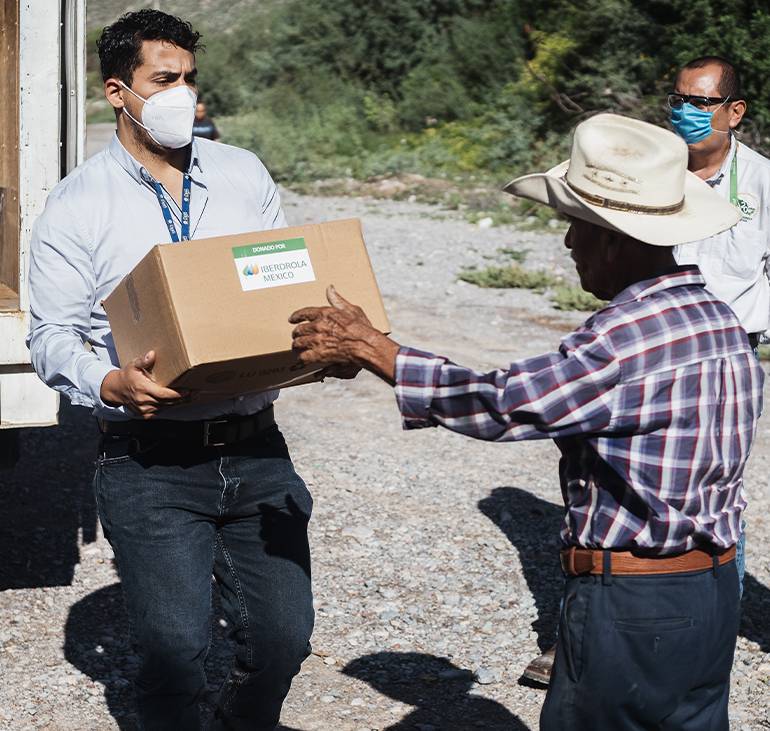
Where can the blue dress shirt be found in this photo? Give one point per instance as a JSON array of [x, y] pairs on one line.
[[97, 225]]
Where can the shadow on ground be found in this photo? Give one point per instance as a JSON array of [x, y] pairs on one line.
[[532, 526], [97, 642], [45, 500], [437, 688], [755, 613]]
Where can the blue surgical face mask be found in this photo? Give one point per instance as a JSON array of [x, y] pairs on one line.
[[693, 124]]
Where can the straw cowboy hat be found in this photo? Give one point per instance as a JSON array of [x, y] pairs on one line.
[[632, 177]]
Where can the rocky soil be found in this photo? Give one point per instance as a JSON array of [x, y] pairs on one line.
[[435, 569]]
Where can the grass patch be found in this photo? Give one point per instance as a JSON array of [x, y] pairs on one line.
[[517, 255], [764, 352], [512, 276], [563, 296], [533, 216], [571, 297], [502, 214]]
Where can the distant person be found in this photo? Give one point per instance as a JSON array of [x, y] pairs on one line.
[[203, 126], [653, 403], [184, 489]]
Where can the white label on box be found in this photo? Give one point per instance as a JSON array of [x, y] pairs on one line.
[[273, 264]]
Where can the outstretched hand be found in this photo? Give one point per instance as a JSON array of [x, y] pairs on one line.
[[342, 338]]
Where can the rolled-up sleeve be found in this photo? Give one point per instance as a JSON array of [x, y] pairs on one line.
[[558, 394], [62, 288]]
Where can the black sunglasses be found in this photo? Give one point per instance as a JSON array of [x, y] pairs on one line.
[[675, 101]]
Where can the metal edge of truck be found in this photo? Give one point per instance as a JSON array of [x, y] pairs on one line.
[[51, 142]]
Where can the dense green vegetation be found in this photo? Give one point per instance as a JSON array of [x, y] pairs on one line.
[[468, 89]]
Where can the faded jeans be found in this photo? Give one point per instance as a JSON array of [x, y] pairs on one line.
[[175, 514]]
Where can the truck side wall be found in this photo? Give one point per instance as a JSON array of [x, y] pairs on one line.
[[9, 155], [30, 125]]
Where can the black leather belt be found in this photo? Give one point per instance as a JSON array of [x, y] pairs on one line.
[[209, 433]]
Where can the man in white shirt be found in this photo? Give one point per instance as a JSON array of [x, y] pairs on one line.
[[183, 489], [707, 106]]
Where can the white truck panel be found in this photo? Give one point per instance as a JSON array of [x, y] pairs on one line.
[[44, 34], [26, 401], [39, 121], [13, 331]]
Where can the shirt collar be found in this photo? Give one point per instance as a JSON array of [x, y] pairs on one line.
[[138, 172], [720, 174], [679, 277]]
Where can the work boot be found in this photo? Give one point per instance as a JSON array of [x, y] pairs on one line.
[[539, 670]]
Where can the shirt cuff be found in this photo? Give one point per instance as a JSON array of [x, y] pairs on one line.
[[92, 377], [417, 374]]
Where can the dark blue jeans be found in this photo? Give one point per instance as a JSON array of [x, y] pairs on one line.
[[175, 515], [644, 653]]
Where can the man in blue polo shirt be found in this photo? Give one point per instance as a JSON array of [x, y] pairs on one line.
[[184, 490]]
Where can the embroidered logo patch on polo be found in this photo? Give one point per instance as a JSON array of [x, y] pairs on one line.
[[748, 206]]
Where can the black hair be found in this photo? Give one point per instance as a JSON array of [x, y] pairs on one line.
[[120, 44], [729, 80]]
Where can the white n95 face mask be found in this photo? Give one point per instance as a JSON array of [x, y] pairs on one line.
[[168, 116]]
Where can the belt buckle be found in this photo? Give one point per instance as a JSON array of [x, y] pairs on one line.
[[207, 425]]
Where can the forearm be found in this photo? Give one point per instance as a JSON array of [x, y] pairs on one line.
[[62, 362], [377, 353], [536, 399]]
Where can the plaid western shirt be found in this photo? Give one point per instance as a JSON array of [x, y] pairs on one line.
[[653, 404]]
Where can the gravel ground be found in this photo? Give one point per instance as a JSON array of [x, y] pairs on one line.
[[435, 569]]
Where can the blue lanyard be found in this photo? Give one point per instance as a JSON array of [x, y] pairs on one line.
[[186, 191]]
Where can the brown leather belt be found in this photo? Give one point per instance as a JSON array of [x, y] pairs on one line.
[[208, 433], [579, 561]]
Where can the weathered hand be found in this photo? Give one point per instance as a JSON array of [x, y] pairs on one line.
[[341, 337], [133, 387]]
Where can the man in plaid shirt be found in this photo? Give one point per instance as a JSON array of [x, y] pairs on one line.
[[653, 403]]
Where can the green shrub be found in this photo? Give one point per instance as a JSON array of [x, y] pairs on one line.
[[570, 297], [469, 89], [432, 93], [509, 277], [518, 255], [764, 353]]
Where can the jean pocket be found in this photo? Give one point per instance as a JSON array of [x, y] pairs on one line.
[[115, 451], [670, 643], [653, 624], [110, 461], [572, 632]]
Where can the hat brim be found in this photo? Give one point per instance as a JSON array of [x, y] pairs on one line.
[[704, 213]]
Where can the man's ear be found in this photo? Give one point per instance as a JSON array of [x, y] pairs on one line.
[[113, 92], [611, 245], [737, 110]]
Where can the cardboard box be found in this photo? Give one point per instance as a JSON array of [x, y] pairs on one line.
[[216, 310]]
